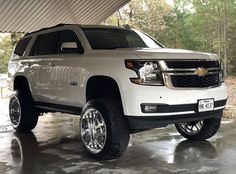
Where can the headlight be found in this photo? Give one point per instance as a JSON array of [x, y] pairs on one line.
[[148, 72]]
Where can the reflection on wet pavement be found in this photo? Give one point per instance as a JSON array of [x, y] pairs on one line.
[[54, 147]]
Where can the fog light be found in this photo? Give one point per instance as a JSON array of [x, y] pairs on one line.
[[148, 108]]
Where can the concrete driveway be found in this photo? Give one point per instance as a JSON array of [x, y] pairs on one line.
[[54, 147]]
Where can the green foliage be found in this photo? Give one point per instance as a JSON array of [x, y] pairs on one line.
[[6, 48]]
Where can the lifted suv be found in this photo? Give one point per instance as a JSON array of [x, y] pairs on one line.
[[120, 81]]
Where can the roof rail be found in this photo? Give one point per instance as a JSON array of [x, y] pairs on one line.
[[42, 29]]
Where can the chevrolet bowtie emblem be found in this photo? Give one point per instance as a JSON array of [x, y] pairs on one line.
[[201, 71]]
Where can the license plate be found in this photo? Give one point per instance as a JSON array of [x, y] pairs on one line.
[[205, 105]]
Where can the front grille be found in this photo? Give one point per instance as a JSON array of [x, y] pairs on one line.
[[193, 64], [185, 73], [191, 81]]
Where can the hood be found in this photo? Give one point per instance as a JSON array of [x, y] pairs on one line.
[[160, 53]]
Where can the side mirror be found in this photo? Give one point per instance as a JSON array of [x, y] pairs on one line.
[[71, 47], [66, 45]]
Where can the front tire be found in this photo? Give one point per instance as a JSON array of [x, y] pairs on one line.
[[200, 130], [104, 129], [23, 115]]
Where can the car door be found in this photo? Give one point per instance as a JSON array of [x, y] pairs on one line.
[[67, 74], [43, 53]]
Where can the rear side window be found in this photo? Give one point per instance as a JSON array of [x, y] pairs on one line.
[[21, 46], [45, 44]]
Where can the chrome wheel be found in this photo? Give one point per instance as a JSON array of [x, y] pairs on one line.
[[15, 111], [93, 130], [191, 128]]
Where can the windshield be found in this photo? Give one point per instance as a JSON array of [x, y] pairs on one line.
[[112, 38]]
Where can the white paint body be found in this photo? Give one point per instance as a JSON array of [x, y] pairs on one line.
[[50, 76]]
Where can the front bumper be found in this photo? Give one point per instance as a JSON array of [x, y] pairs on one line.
[[172, 101], [138, 123]]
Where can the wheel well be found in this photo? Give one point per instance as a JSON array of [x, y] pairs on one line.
[[21, 83], [102, 87]]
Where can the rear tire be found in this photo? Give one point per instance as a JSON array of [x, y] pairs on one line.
[[200, 130], [104, 129], [23, 115]]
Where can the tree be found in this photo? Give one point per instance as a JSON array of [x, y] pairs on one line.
[[145, 15], [6, 48]]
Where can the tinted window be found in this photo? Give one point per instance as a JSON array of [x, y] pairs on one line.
[[46, 44], [110, 38], [68, 36], [107, 38], [21, 46]]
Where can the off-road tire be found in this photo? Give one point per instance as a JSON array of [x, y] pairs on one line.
[[209, 129], [29, 115], [118, 133]]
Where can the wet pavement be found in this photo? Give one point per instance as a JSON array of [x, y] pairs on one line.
[[55, 147]]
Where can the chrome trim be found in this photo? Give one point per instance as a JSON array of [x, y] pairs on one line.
[[168, 72], [163, 66], [190, 73], [170, 113], [218, 108], [190, 69], [167, 80]]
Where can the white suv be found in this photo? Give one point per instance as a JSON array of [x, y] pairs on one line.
[[120, 81]]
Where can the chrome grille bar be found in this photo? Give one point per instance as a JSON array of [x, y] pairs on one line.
[[195, 80]]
